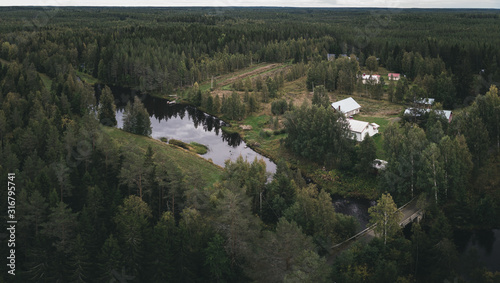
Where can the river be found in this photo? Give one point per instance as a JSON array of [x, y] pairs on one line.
[[483, 245], [189, 124]]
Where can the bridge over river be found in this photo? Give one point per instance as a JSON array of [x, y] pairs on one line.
[[411, 212]]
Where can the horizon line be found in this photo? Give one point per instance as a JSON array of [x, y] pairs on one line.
[[260, 6]]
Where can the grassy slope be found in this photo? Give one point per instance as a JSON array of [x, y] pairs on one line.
[[185, 160], [87, 78], [46, 81]]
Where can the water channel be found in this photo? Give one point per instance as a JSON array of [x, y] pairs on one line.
[[481, 245]]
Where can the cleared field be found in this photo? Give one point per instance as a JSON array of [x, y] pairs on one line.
[[227, 79]]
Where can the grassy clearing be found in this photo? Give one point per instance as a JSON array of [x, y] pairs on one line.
[[264, 72], [334, 181], [47, 82], [221, 79], [186, 161], [87, 78], [383, 122]]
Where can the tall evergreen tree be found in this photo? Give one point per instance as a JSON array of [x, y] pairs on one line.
[[107, 108], [136, 118]]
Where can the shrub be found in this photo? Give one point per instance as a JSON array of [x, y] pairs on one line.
[[279, 106]]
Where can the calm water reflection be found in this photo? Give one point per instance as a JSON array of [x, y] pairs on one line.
[[189, 124]]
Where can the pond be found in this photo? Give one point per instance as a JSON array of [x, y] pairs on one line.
[[189, 124]]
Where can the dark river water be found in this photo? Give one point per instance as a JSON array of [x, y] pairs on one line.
[[484, 245]]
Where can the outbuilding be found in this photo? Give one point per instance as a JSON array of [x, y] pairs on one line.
[[348, 106]]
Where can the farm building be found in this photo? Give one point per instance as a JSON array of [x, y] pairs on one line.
[[425, 102], [417, 112], [370, 79], [360, 129], [348, 106], [394, 76]]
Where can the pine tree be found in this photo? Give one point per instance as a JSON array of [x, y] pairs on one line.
[[107, 108], [136, 118]]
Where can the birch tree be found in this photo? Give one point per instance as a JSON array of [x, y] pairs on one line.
[[386, 216]]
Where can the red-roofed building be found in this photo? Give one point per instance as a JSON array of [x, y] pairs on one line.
[[394, 76]]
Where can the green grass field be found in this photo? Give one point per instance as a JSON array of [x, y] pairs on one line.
[[186, 161], [87, 78], [383, 123], [47, 82]]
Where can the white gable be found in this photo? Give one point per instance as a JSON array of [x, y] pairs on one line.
[[346, 105], [357, 126], [361, 129]]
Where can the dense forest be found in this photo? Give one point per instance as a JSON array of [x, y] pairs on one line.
[[94, 203]]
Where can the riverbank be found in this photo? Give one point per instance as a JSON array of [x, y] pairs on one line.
[[185, 160]]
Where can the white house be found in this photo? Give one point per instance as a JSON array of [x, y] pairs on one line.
[[370, 79], [360, 129], [348, 106]]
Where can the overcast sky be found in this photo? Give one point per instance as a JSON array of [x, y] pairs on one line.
[[277, 3]]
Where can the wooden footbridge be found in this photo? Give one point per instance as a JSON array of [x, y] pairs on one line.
[[411, 213]]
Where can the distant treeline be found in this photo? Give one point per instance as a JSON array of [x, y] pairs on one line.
[[155, 49]]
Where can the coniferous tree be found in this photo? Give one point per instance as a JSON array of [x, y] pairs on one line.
[[136, 118], [107, 108], [320, 97]]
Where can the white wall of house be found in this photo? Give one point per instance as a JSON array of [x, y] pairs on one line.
[[361, 129], [352, 113]]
